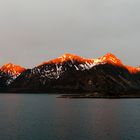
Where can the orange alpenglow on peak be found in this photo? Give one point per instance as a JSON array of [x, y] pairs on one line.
[[111, 58], [69, 57], [107, 58], [12, 69], [132, 69]]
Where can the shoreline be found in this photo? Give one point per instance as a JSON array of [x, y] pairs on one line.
[[78, 96]]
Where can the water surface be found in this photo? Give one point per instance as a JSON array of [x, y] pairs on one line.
[[45, 117]]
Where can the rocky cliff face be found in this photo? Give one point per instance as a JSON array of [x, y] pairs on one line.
[[106, 75]]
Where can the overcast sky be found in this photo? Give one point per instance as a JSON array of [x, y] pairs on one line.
[[33, 31]]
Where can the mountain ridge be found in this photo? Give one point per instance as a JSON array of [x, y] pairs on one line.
[[107, 58], [106, 75]]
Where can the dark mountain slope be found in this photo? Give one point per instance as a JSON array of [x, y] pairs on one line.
[[106, 75]]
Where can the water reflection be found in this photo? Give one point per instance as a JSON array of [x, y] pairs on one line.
[[10, 114], [106, 119], [41, 117]]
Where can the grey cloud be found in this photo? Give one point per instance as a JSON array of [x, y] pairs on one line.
[[32, 31]]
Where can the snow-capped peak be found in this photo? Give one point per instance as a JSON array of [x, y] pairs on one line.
[[87, 63], [69, 57]]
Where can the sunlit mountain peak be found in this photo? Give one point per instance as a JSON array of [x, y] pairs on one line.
[[111, 58], [108, 58], [69, 57], [12, 69]]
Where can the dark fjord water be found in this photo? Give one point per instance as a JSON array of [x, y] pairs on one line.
[[45, 117]]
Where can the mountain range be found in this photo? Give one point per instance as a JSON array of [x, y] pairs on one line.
[[105, 76]]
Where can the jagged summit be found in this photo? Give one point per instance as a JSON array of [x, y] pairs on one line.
[[12, 69], [108, 58], [85, 62], [106, 75], [69, 57], [111, 58]]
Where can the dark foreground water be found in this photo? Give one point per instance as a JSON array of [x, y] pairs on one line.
[[45, 117]]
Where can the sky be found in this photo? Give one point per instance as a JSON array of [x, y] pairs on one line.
[[34, 31]]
